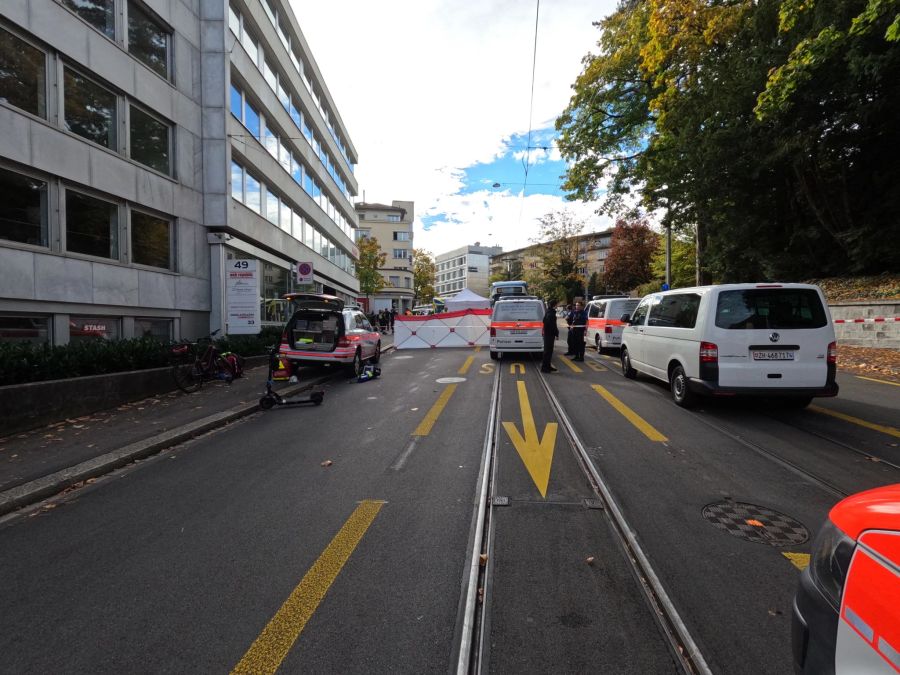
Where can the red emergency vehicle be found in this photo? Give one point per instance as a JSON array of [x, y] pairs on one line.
[[846, 616]]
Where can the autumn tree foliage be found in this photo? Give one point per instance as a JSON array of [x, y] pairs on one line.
[[423, 276], [632, 249], [370, 260], [557, 249]]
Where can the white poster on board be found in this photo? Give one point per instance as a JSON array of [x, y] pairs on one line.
[[242, 297]]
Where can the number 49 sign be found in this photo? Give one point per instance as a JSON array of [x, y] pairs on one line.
[[304, 273]]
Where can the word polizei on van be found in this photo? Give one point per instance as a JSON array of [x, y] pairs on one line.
[[770, 340]]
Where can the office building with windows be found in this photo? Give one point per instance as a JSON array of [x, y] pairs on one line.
[[146, 144], [392, 226], [466, 267]]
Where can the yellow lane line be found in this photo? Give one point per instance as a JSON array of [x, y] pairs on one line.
[[872, 379], [425, 425], [477, 349], [629, 414], [891, 431], [798, 560], [570, 364], [465, 366], [273, 644], [593, 365]]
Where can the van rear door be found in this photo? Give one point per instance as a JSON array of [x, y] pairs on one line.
[[771, 336], [517, 325]]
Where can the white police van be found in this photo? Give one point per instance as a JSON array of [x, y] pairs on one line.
[[774, 340], [517, 325]]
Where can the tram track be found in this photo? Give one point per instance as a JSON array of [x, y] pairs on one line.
[[475, 619]]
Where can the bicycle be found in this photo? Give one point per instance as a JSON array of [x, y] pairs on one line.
[[191, 367]]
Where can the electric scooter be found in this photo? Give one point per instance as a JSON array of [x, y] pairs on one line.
[[272, 398]]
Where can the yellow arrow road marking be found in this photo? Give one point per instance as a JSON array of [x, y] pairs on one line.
[[630, 415], [465, 366], [891, 431], [273, 644], [798, 560], [425, 425], [513, 367], [536, 453], [570, 364], [872, 379], [593, 365]]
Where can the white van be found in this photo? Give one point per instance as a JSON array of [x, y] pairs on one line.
[[517, 325], [773, 340], [604, 325]]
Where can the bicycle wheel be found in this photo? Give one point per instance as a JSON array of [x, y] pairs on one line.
[[187, 376]]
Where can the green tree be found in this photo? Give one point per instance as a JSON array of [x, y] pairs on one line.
[[683, 272], [423, 276], [595, 285], [767, 125], [371, 259], [557, 249], [511, 270], [631, 250]]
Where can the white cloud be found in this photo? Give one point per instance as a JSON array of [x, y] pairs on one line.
[[427, 88]]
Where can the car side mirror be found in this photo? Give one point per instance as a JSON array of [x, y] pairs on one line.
[[626, 318]]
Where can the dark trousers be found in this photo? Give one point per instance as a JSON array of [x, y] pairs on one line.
[[569, 343], [577, 342], [548, 351]]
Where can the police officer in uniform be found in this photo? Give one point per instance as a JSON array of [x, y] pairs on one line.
[[579, 325], [551, 332]]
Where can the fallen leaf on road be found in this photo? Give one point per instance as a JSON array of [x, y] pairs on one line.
[[78, 426], [327, 462], [589, 560], [92, 445], [482, 559]]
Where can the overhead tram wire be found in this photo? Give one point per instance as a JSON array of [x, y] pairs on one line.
[[537, 15]]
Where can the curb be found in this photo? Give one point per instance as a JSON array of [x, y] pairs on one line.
[[46, 486]]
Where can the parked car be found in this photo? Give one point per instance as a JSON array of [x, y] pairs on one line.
[[846, 613], [773, 340], [322, 330], [604, 326], [517, 325]]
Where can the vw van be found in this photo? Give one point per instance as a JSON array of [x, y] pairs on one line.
[[517, 325], [604, 326], [771, 340]]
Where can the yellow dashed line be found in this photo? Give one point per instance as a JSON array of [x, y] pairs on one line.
[[630, 415], [273, 644], [570, 364], [891, 431], [465, 366], [593, 365], [872, 379], [425, 425]]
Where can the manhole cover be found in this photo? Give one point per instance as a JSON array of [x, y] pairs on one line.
[[756, 523], [450, 380]]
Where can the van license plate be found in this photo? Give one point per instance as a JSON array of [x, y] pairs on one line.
[[518, 332], [773, 356]]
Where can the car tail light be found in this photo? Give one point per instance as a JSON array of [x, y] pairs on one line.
[[493, 332], [709, 353], [607, 330], [832, 352], [347, 340]]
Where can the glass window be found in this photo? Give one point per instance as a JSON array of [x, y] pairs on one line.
[[237, 181], [34, 329], [285, 217], [252, 193], [158, 328], [296, 170], [93, 328], [237, 102], [234, 21], [678, 310], [23, 209], [147, 40], [150, 141], [401, 236], [283, 96], [767, 308], [296, 115], [394, 281], [90, 110], [408, 282], [297, 226], [92, 226], [308, 236], [270, 140], [640, 313], [400, 253], [393, 218], [151, 240], [251, 119], [99, 13], [271, 207], [251, 46], [22, 74], [284, 157], [269, 75]]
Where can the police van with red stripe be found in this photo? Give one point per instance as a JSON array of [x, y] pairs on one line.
[[517, 325]]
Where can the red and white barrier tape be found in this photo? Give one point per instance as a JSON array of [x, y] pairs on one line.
[[877, 319]]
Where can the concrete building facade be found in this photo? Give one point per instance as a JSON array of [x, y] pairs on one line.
[[131, 176], [465, 267], [392, 226]]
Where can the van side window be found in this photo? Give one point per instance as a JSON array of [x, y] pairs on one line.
[[678, 310], [593, 311], [641, 312]]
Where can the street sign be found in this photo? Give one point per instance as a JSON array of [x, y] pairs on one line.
[[304, 273]]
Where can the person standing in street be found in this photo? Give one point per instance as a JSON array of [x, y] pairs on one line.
[[551, 332], [570, 349], [577, 330]]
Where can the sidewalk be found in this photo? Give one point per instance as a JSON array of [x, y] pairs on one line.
[[42, 462]]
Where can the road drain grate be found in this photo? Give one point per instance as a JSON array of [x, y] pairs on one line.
[[756, 523]]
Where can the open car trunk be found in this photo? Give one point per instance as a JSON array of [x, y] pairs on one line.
[[315, 331]]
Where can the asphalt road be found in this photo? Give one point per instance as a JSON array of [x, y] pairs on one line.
[[337, 538]]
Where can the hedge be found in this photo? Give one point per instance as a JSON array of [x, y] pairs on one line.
[[27, 362]]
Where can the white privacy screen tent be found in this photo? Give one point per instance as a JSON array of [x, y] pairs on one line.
[[466, 299]]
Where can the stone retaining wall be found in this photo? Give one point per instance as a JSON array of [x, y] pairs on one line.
[[869, 333]]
